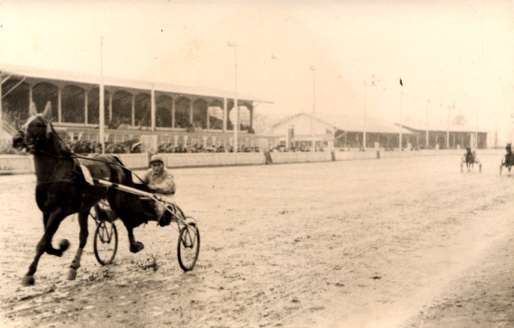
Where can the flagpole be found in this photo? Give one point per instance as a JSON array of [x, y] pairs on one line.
[[365, 116], [401, 114], [427, 140], [313, 69], [101, 110], [236, 101]]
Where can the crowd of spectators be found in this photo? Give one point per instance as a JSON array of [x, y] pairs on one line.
[[82, 146], [293, 148], [199, 148], [87, 147]]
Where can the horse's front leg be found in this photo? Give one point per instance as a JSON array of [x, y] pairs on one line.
[[84, 233], [52, 220]]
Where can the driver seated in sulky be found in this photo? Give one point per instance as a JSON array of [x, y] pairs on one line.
[[158, 180], [508, 150], [469, 156]]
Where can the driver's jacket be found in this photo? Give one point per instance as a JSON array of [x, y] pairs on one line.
[[161, 184], [469, 157], [508, 157]]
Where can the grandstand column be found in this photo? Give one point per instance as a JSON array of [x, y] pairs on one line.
[[191, 112], [101, 118], [173, 114], [133, 110], [208, 123], [30, 94], [250, 110], [59, 104], [152, 108], [110, 105], [86, 100], [225, 114], [1, 97]]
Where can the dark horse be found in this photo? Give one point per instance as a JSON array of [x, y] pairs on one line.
[[508, 160], [470, 159], [62, 190]]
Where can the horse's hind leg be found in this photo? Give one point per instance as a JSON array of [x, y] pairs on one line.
[[84, 233], [53, 220], [134, 245]]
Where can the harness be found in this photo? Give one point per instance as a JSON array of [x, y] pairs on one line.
[[65, 170]]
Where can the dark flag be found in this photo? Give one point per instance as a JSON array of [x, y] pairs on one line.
[[401, 82]]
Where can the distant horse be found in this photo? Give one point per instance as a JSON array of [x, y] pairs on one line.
[[62, 190], [508, 160], [469, 160]]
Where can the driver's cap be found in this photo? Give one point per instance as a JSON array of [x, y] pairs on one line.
[[156, 158]]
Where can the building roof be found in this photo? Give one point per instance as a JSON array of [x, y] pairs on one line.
[[16, 70], [292, 117], [350, 124], [440, 127]]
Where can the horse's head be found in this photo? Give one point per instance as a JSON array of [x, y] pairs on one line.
[[35, 133]]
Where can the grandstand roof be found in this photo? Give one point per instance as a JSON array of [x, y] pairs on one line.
[[351, 124], [16, 70]]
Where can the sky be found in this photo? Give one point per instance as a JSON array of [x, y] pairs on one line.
[[331, 57]]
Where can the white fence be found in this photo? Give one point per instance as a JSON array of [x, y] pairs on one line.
[[300, 157], [212, 159], [134, 161], [16, 164]]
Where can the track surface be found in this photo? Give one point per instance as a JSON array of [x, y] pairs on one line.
[[379, 243]]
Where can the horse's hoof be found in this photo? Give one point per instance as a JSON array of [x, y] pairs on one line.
[[72, 274], [137, 247], [28, 281], [64, 244]]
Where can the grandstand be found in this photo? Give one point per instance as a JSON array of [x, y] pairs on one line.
[[154, 113]]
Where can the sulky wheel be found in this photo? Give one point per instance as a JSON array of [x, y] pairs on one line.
[[106, 242], [188, 246]]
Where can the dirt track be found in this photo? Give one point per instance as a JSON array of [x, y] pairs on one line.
[[390, 243]]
